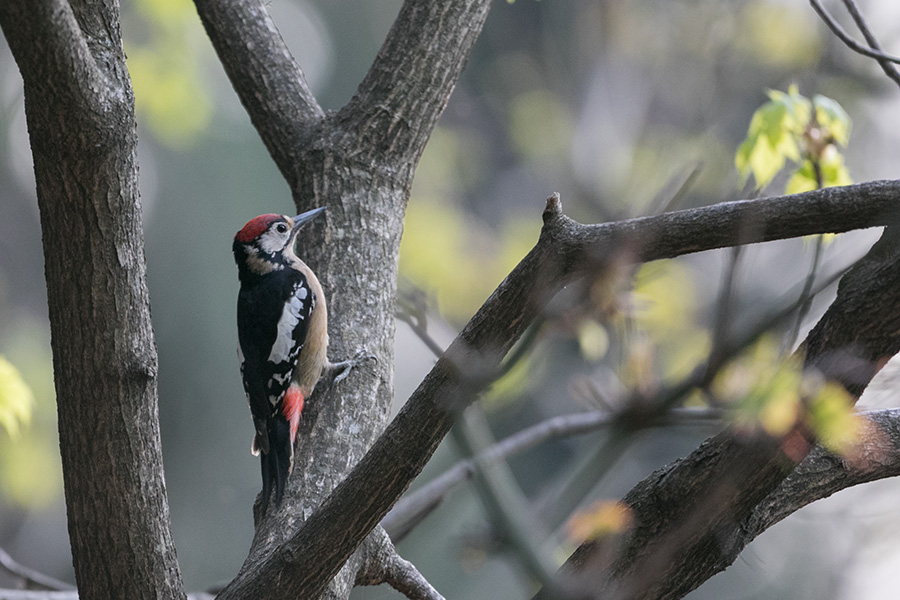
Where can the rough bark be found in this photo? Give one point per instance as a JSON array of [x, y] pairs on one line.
[[359, 163], [822, 473], [79, 108]]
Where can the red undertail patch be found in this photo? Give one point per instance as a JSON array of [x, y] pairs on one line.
[[291, 409]]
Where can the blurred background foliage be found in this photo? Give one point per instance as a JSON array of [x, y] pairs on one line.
[[625, 109]]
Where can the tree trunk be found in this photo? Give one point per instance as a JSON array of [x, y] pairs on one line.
[[80, 114]]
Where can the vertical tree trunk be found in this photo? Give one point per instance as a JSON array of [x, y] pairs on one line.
[[80, 113]]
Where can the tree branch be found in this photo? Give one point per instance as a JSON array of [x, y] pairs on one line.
[[565, 251], [265, 76], [29, 576], [53, 21], [382, 564], [411, 509], [689, 515], [407, 87], [873, 51], [822, 473]]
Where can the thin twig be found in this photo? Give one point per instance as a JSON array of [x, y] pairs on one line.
[[886, 61], [29, 576], [806, 296], [504, 501], [409, 511], [421, 331], [886, 65]]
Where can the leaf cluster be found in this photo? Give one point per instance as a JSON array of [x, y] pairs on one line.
[[806, 132]]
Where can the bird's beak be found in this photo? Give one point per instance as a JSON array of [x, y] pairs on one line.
[[302, 219]]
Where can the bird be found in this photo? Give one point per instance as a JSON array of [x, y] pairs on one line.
[[282, 323]]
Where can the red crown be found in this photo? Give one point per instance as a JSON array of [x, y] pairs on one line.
[[255, 227]]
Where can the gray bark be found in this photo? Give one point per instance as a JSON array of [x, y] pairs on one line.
[[359, 162], [80, 113]]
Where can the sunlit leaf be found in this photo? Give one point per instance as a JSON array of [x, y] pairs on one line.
[[773, 136], [798, 109], [783, 129], [833, 118], [803, 179], [834, 171], [16, 399]]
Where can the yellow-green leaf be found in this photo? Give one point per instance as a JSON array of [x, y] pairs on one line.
[[833, 118], [803, 179], [773, 136], [16, 399], [834, 171]]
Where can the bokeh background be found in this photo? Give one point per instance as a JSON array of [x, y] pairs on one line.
[[624, 108]]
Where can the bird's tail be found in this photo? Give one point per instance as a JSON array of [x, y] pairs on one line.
[[276, 462]]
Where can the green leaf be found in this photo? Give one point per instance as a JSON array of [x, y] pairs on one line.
[[834, 171], [803, 179], [832, 117], [774, 136], [16, 399], [798, 109]]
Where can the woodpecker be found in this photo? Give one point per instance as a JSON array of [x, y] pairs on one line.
[[282, 338]]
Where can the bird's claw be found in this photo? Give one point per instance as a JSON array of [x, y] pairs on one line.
[[341, 370]]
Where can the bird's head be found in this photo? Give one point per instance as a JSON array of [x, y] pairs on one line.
[[266, 243]]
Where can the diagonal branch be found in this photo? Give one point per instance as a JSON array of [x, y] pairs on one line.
[[29, 576], [822, 473], [265, 76], [887, 62], [873, 51], [405, 91], [565, 251]]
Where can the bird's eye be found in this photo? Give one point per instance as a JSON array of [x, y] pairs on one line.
[[281, 228]]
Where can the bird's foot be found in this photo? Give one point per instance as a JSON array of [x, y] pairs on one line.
[[340, 370]]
